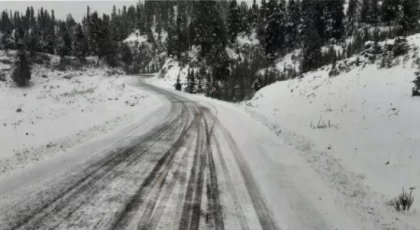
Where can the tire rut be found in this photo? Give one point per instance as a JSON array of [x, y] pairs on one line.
[[181, 152]]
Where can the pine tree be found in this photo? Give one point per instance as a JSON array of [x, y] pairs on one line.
[[178, 85], [32, 42], [352, 17], [233, 21], [80, 44], [389, 11], [171, 40], [96, 38], [64, 41], [254, 12], [181, 39], [312, 42], [333, 19], [22, 71], [208, 26], [410, 15], [274, 30], [140, 18], [126, 55], [365, 10], [292, 23], [416, 88], [191, 82], [374, 13]]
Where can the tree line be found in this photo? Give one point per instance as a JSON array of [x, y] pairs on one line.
[[175, 26]]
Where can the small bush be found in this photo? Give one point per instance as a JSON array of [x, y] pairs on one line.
[[404, 201], [22, 71], [416, 88], [400, 47], [178, 85]]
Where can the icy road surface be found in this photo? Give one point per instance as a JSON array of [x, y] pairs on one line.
[[192, 163], [168, 178]]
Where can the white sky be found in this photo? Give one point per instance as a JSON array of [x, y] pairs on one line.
[[76, 8]]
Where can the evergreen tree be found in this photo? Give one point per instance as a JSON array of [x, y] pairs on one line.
[[334, 17], [140, 18], [389, 11], [254, 12], [233, 21], [274, 30], [292, 23], [352, 17], [181, 30], [208, 26], [126, 55], [171, 40], [191, 82], [374, 13], [416, 88], [96, 36], [219, 61], [80, 44], [178, 85], [22, 72], [312, 42], [410, 15], [32, 42], [365, 10], [108, 47], [64, 41]]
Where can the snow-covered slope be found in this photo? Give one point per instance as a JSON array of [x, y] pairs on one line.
[[60, 110], [358, 130]]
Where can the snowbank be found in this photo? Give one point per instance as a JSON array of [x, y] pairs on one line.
[[358, 130]]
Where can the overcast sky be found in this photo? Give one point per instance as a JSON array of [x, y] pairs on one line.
[[76, 8]]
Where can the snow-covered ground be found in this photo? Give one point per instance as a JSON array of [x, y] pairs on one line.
[[358, 130], [352, 140], [61, 110]]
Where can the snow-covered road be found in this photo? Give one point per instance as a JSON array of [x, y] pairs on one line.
[[171, 176], [191, 163]]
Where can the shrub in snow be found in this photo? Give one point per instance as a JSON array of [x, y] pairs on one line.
[[404, 201], [22, 71], [416, 88], [2, 76], [178, 85], [400, 46], [334, 71]]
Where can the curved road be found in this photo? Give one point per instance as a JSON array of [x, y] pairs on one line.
[[179, 175]]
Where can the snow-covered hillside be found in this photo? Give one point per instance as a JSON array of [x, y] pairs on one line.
[[60, 110], [359, 130]]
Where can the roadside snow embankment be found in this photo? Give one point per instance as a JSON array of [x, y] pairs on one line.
[[61, 110], [359, 131]]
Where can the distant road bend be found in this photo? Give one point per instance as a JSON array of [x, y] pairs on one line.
[[185, 173]]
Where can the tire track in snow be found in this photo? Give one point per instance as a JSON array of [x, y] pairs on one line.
[[265, 215], [213, 193], [96, 172], [126, 215], [150, 168]]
